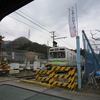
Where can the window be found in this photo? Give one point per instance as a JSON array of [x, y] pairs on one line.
[[61, 54], [62, 49], [53, 54], [51, 49]]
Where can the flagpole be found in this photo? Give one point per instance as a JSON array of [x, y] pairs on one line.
[[73, 27], [78, 52]]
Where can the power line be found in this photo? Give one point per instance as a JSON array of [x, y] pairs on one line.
[[31, 17], [34, 18], [24, 23], [32, 21], [27, 24], [64, 42], [67, 43], [53, 37]]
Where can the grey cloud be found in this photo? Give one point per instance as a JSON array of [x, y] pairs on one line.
[[86, 6], [53, 14]]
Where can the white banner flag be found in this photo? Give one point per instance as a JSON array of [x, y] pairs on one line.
[[72, 25]]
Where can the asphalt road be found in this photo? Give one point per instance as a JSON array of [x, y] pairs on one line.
[[13, 89], [10, 92]]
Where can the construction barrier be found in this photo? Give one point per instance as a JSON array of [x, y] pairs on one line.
[[4, 64], [58, 76], [4, 68]]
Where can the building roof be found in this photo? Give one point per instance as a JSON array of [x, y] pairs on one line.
[[9, 6]]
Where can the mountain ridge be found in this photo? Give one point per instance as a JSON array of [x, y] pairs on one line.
[[22, 43]]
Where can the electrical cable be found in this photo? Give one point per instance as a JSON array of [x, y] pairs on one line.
[[31, 21], [67, 43], [31, 18], [26, 24], [63, 42]]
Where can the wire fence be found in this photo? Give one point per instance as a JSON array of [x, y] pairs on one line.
[[92, 55]]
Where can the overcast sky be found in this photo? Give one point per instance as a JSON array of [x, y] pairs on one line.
[[51, 15]]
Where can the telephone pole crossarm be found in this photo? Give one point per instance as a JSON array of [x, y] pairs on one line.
[[60, 38]]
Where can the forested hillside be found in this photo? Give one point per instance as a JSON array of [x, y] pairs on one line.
[[23, 43]]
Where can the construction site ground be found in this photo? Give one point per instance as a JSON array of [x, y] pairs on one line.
[[12, 89]]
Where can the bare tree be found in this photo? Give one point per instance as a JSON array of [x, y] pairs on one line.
[[97, 39]]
